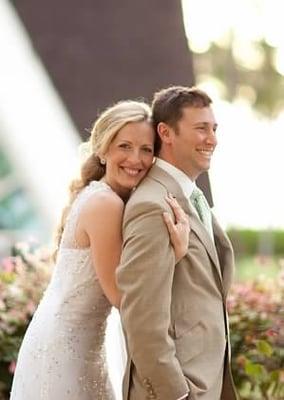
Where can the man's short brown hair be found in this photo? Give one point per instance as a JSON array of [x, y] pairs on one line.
[[168, 104]]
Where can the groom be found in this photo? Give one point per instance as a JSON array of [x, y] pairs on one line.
[[174, 316]]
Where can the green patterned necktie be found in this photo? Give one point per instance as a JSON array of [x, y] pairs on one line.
[[203, 210]]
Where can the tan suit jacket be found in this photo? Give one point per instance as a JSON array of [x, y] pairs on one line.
[[174, 317]]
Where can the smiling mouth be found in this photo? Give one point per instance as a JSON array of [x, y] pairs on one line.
[[132, 171], [206, 153]]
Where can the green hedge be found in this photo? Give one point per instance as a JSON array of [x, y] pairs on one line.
[[252, 242]]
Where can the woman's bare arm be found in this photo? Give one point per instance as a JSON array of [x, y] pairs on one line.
[[101, 219]]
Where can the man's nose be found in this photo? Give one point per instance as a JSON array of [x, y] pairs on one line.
[[212, 138]]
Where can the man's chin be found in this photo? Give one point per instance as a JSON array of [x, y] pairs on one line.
[[201, 171], [205, 167]]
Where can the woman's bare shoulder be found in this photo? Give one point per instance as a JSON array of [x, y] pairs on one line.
[[104, 202]]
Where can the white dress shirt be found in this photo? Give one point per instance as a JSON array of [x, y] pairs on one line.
[[186, 184]]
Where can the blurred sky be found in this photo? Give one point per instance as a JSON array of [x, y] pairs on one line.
[[246, 171]]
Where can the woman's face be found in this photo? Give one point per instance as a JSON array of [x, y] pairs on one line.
[[129, 156]]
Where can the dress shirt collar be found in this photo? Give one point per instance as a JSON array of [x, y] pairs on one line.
[[186, 184]]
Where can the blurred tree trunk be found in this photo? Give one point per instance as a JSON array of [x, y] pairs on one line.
[[101, 51]]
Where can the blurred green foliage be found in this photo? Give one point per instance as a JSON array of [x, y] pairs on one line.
[[251, 268], [5, 166], [261, 85], [250, 242], [17, 210]]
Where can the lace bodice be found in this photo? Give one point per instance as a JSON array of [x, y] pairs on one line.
[[62, 355]]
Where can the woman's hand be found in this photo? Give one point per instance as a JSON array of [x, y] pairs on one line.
[[178, 229]]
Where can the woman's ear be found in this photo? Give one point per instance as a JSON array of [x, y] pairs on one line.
[[102, 158]]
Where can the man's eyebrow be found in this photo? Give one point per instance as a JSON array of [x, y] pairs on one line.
[[205, 123]]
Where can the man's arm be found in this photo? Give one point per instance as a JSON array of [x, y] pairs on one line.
[[145, 277]]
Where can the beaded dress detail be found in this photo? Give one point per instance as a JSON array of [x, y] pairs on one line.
[[62, 356]]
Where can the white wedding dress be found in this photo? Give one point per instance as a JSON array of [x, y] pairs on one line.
[[63, 355]]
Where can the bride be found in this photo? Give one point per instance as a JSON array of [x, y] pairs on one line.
[[63, 352]]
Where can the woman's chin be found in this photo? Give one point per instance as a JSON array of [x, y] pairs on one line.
[[132, 182]]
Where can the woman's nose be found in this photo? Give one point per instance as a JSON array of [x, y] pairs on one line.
[[134, 156]]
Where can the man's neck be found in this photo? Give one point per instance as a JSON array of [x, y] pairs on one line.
[[179, 176], [171, 161]]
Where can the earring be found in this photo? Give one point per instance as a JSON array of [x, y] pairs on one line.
[[103, 161]]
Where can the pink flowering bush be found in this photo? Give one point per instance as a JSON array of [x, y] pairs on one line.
[[257, 338], [256, 317], [23, 279]]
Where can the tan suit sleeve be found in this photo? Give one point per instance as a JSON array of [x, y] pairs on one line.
[[145, 278]]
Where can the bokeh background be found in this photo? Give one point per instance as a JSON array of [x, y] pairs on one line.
[[63, 62]]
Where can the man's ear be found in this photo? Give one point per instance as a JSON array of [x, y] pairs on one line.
[[165, 132]]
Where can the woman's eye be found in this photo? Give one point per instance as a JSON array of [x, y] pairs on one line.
[[124, 146], [148, 150]]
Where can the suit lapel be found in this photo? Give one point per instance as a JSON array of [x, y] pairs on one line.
[[196, 225], [200, 230], [225, 254]]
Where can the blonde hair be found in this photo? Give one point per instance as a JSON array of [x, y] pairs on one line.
[[104, 130]]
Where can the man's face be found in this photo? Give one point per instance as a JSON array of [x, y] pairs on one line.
[[194, 140]]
